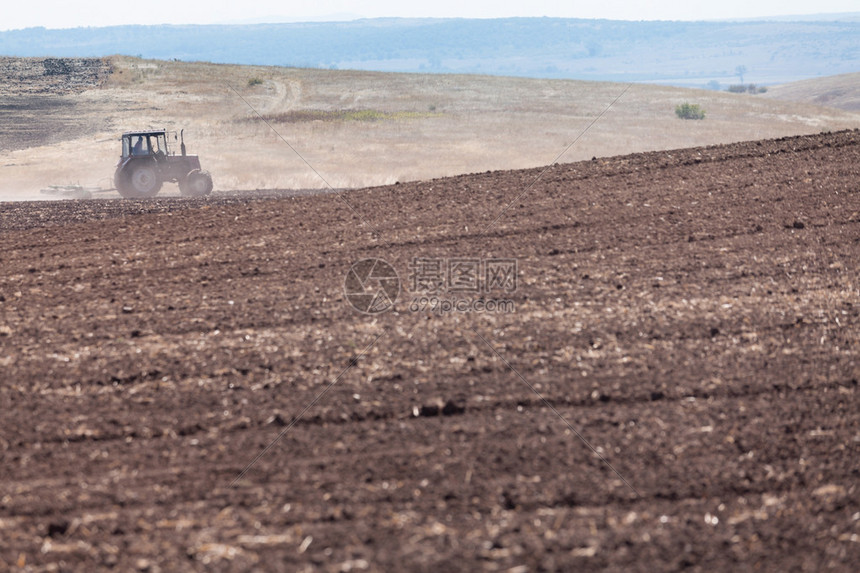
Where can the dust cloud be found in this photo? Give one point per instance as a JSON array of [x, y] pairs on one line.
[[10, 195]]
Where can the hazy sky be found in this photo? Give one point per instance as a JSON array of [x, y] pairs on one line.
[[64, 14]]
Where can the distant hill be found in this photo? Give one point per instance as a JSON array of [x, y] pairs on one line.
[[841, 91], [694, 54]]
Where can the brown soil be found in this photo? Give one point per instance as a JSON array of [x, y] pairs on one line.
[[184, 386]]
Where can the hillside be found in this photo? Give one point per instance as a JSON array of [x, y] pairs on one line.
[[677, 53], [60, 121], [842, 92], [671, 384]]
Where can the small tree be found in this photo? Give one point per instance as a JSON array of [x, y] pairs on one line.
[[689, 111]]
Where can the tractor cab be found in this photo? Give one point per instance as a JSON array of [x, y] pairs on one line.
[[146, 143]]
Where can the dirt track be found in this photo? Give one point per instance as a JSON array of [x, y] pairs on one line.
[[691, 315]]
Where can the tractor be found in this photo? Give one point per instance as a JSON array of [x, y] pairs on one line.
[[146, 163]]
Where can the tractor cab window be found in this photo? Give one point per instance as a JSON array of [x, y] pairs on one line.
[[139, 145], [159, 144]]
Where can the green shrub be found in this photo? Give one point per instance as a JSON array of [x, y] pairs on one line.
[[254, 82], [689, 111], [747, 88]]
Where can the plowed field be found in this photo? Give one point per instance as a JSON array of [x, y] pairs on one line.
[[670, 381]]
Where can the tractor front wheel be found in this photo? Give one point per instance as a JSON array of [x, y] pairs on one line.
[[196, 184], [138, 180]]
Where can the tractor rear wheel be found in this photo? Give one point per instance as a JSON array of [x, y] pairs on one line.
[[138, 180], [196, 184]]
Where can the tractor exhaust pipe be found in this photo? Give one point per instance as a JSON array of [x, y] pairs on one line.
[[182, 141]]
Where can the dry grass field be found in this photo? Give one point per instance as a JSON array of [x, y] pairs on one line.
[[842, 92], [361, 129]]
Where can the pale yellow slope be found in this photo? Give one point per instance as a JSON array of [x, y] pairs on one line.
[[842, 92], [358, 129]]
